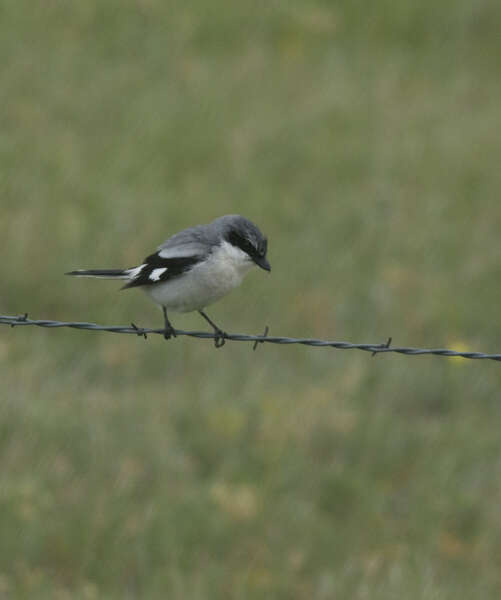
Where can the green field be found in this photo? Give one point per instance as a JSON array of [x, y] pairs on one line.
[[364, 139]]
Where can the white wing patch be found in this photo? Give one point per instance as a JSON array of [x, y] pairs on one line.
[[157, 273], [134, 272]]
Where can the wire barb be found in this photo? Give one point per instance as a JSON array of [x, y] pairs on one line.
[[382, 346], [242, 337], [265, 334], [140, 332], [20, 318]]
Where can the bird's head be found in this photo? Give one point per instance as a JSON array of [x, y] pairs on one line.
[[244, 235]]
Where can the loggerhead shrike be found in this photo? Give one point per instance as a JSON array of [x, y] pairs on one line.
[[195, 267]]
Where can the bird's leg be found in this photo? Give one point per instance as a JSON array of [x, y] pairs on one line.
[[169, 331], [220, 334]]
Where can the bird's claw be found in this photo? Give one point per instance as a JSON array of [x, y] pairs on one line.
[[219, 338], [169, 332]]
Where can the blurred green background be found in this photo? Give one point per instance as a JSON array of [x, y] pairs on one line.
[[364, 139]]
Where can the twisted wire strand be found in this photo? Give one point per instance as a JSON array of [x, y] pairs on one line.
[[23, 320]]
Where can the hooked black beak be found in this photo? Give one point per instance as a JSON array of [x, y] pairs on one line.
[[263, 263]]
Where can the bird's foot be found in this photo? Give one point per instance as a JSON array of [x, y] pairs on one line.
[[219, 337], [169, 332]]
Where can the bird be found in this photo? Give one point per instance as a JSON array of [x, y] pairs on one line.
[[195, 267]]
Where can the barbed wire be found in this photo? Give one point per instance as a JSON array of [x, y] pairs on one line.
[[23, 320]]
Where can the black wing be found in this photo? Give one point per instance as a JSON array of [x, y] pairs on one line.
[[156, 269]]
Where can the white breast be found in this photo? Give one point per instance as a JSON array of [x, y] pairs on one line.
[[205, 283]]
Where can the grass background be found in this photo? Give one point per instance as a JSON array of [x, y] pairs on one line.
[[364, 140]]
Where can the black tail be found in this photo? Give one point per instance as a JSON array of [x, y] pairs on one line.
[[101, 273]]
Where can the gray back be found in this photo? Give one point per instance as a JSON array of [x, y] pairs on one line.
[[201, 239]]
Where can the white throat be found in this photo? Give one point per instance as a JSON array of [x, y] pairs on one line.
[[231, 257]]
